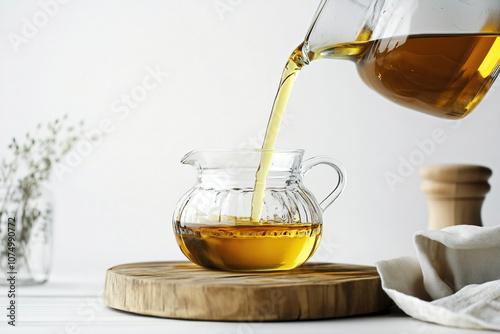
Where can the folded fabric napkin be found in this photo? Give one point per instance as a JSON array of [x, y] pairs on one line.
[[454, 281]]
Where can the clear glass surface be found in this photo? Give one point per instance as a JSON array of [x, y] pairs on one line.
[[212, 220], [26, 244]]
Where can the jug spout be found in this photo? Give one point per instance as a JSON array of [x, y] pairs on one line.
[[345, 22], [192, 158]]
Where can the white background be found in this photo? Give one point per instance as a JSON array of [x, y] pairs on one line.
[[116, 205]]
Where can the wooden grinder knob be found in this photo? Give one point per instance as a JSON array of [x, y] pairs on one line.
[[455, 194]]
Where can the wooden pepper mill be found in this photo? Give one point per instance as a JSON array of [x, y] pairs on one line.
[[455, 194]]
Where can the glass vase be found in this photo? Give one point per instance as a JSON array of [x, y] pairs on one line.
[[25, 234]]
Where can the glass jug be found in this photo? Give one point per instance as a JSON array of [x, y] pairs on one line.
[[435, 56], [212, 221]]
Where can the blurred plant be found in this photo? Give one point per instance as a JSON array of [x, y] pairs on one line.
[[21, 179]]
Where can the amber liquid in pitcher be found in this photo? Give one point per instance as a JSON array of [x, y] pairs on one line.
[[263, 247], [443, 75]]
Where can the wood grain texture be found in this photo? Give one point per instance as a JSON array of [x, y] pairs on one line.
[[455, 194], [187, 291]]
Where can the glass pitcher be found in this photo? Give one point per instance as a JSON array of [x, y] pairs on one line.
[[435, 56], [212, 221]]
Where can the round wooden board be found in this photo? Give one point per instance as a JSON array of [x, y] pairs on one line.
[[187, 291]]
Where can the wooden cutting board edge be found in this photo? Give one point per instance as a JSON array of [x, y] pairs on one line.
[[218, 301]]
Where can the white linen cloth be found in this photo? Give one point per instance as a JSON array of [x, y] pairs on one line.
[[454, 281]]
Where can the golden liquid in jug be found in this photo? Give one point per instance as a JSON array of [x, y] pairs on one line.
[[443, 75], [264, 247]]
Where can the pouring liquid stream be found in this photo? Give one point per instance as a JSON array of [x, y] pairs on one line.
[[445, 75], [290, 72]]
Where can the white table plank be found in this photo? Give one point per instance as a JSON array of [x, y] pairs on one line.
[[58, 308]]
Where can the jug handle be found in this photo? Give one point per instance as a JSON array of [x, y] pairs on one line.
[[339, 187]]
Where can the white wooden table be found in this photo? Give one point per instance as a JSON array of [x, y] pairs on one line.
[[76, 308]]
